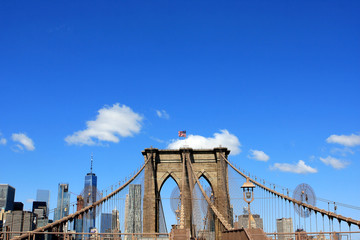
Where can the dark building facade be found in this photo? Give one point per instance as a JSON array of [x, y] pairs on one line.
[[19, 221], [78, 222], [106, 222], [40, 209], [18, 206], [41, 223], [7, 196]]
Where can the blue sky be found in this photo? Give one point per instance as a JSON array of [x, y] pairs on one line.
[[278, 79]]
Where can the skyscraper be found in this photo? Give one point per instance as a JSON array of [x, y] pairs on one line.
[[44, 196], [78, 222], [115, 222], [19, 221], [133, 216], [106, 220], [90, 194], [284, 225], [63, 202], [126, 211], [115, 225], [40, 209], [7, 196], [243, 220]]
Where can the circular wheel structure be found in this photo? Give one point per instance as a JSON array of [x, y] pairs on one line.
[[305, 194], [175, 201]]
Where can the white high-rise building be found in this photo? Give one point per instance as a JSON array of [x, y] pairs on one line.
[[284, 225], [133, 210]]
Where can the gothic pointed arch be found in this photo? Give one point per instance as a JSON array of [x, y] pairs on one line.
[[166, 176]]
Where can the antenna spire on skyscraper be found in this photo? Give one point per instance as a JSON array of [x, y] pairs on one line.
[[92, 159]]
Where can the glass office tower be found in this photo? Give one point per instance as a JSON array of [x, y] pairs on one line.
[[106, 222], [63, 202], [90, 194], [44, 196]]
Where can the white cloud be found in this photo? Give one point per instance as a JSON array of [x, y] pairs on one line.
[[300, 167], [30, 200], [224, 138], [110, 124], [349, 141], [3, 141], [334, 162], [24, 140], [162, 114], [258, 155]]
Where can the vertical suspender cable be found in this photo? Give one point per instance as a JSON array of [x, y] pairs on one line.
[[278, 207], [273, 217], [304, 219], [339, 226], [299, 215], [310, 219], [82, 225], [349, 230], [294, 217], [269, 213], [262, 206], [282, 208], [290, 212]]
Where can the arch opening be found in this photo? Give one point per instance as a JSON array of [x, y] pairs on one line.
[[203, 216], [169, 204]]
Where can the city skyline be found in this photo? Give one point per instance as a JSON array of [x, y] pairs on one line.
[[276, 83]]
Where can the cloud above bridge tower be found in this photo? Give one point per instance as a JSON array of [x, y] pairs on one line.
[[224, 138]]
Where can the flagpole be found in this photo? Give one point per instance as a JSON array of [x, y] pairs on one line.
[[182, 134]]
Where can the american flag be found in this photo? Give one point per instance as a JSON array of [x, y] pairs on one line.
[[182, 133]]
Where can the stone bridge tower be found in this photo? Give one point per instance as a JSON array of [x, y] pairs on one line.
[[169, 163]]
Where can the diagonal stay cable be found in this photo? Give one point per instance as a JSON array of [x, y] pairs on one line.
[[217, 213]]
